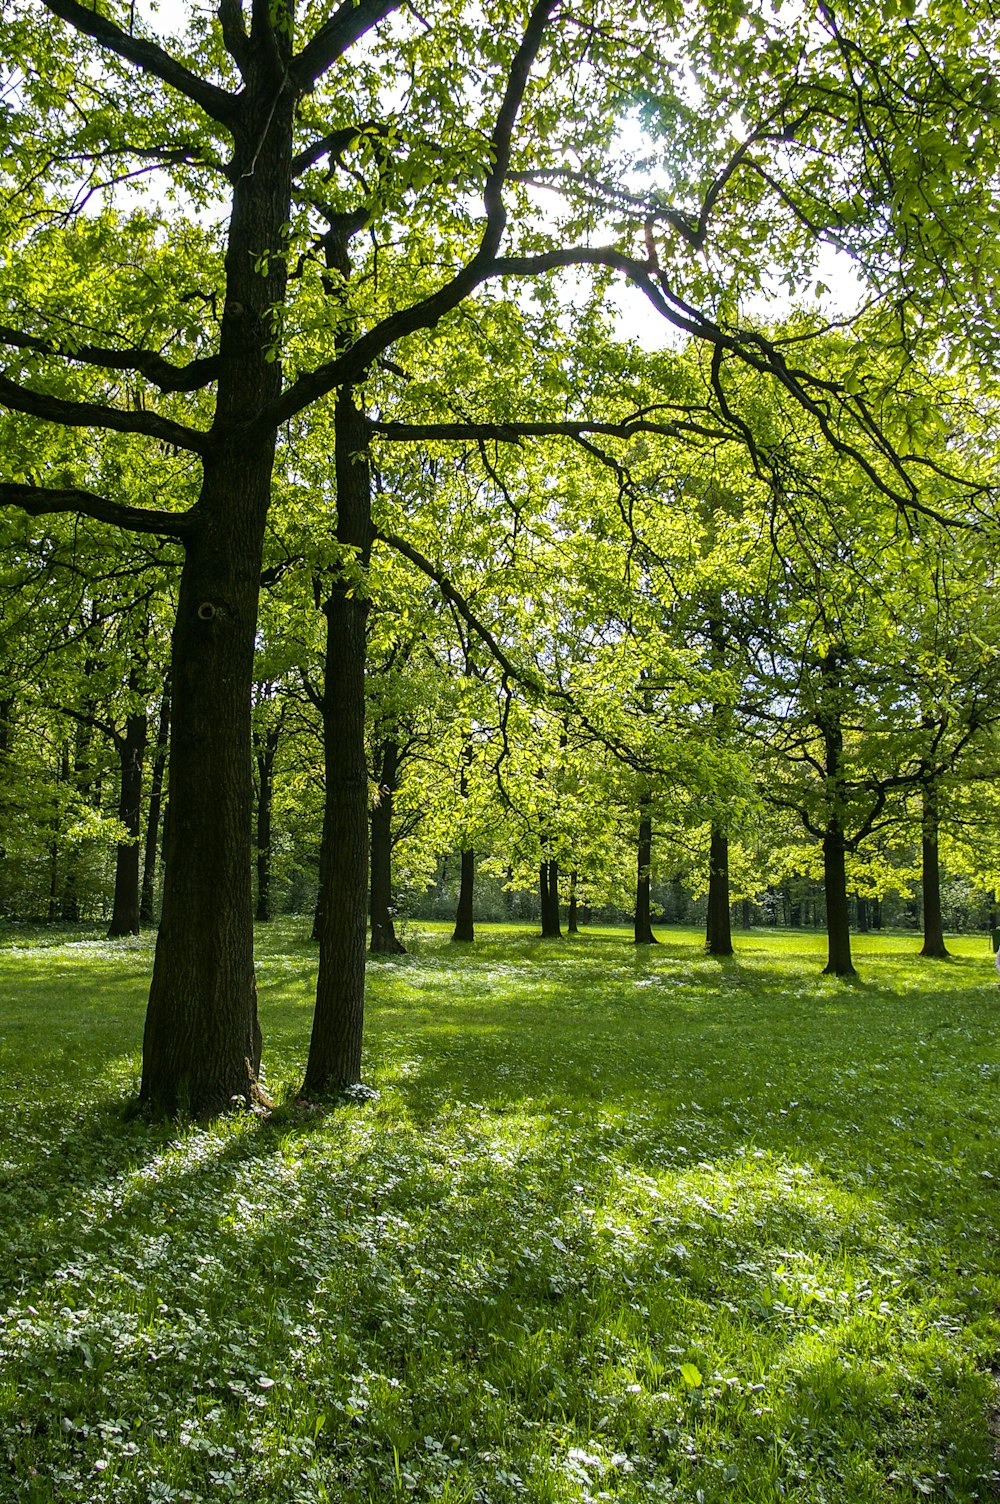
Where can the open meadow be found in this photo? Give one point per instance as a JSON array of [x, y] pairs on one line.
[[621, 1224]]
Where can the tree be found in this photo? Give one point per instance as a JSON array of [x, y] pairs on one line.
[[295, 145]]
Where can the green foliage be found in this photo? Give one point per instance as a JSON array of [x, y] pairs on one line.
[[620, 1225]]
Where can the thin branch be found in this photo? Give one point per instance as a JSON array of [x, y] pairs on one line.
[[512, 433], [461, 605], [95, 724]]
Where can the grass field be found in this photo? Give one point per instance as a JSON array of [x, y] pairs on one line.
[[621, 1225]]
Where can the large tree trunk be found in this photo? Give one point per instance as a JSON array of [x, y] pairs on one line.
[[644, 853], [934, 945], [265, 752], [384, 939], [465, 930], [342, 912], [147, 890], [718, 930], [202, 1042], [548, 889], [131, 754]]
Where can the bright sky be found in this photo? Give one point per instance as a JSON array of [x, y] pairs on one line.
[[636, 318]]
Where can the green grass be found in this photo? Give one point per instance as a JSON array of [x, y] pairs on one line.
[[627, 1225]]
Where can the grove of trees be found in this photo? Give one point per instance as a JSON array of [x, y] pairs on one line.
[[346, 522]]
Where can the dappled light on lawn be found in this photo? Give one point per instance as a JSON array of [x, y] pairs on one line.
[[615, 1227]]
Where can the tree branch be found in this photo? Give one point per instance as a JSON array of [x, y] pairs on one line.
[[149, 58], [352, 363], [21, 399], [40, 501], [332, 145], [512, 433], [517, 82], [461, 605], [335, 36], [234, 34], [169, 378], [95, 724]]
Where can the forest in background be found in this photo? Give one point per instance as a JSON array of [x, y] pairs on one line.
[[344, 525]]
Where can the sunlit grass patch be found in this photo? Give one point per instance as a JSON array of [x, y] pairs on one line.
[[622, 1225]]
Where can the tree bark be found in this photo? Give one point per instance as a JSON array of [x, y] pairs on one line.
[[933, 945], [321, 876], [643, 928], [465, 930], [202, 1041], [342, 911], [718, 929], [53, 910], [384, 940], [146, 893], [80, 772], [131, 750], [838, 927], [548, 887], [265, 752], [572, 912]]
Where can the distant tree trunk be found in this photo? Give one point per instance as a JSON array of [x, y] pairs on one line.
[[718, 931], [338, 1023], [131, 750], [718, 927], [146, 892], [643, 928], [6, 748], [572, 921], [465, 930], [54, 906], [934, 945], [746, 916], [548, 884], [321, 881], [80, 772], [863, 925], [384, 940], [265, 752], [838, 929]]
